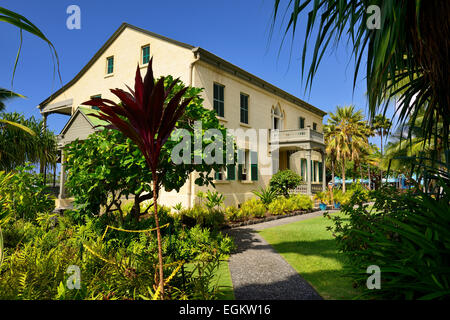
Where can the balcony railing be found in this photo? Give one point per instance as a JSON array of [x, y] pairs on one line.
[[293, 136]]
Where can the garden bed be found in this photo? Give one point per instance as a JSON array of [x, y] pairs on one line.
[[267, 218]]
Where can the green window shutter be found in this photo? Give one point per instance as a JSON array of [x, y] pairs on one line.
[[254, 165], [302, 170], [110, 65], [216, 175], [320, 171], [145, 54], [231, 172], [239, 172], [312, 171]]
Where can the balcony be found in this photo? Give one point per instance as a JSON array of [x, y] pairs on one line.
[[289, 137]]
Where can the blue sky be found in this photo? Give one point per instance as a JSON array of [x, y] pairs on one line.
[[237, 31]]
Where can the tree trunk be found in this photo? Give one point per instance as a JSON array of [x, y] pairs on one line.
[[368, 177], [332, 172], [381, 170], [158, 234], [343, 175]]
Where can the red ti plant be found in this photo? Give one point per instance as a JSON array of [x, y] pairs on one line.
[[147, 118]]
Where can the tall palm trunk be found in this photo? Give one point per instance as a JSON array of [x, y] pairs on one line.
[[381, 170], [158, 234], [343, 175]]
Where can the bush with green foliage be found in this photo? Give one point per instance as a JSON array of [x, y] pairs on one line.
[[25, 192], [232, 213], [279, 206], [284, 181], [266, 195], [38, 253], [406, 235], [202, 216], [252, 208], [300, 202]]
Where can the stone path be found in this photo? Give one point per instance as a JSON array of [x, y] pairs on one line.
[[258, 272]]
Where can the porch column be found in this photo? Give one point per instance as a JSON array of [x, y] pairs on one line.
[[62, 181], [324, 171], [308, 172]]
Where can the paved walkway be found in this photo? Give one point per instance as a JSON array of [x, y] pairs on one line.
[[258, 272]]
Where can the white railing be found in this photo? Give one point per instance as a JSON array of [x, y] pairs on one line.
[[297, 135]]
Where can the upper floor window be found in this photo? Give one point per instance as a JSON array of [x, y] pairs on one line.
[[97, 96], [277, 119], [301, 123], [244, 108], [145, 54], [314, 126], [110, 65], [219, 99]]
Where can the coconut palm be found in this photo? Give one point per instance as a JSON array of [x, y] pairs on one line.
[[407, 54], [346, 135]]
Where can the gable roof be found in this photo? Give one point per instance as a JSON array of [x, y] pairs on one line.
[[86, 112], [203, 55]]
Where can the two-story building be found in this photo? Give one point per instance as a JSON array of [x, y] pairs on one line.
[[240, 99]]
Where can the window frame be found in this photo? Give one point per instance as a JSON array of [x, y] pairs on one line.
[[243, 108], [108, 59], [216, 100], [143, 56]]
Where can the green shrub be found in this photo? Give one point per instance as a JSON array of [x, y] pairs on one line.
[[406, 235], [39, 252], [25, 192], [283, 181], [199, 215], [253, 207], [300, 202], [232, 213], [266, 196], [279, 206]]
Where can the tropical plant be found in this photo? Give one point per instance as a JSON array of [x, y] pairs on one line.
[[300, 202], [346, 135], [147, 116], [405, 234], [283, 181], [279, 206], [266, 195], [404, 55], [323, 197], [252, 207], [25, 192], [18, 146], [214, 200]]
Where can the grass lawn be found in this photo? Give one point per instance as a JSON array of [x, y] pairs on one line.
[[223, 279], [311, 250]]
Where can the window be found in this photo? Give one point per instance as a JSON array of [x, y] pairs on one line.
[[219, 99], [145, 54], [314, 126], [301, 123], [277, 119], [219, 175], [247, 165], [109, 65], [97, 96], [244, 108]]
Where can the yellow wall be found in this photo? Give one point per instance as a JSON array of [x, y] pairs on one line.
[[168, 59]]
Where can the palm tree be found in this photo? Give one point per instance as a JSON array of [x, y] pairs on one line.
[[346, 135], [381, 125], [406, 55]]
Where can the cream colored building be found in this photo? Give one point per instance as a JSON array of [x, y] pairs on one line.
[[242, 100]]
